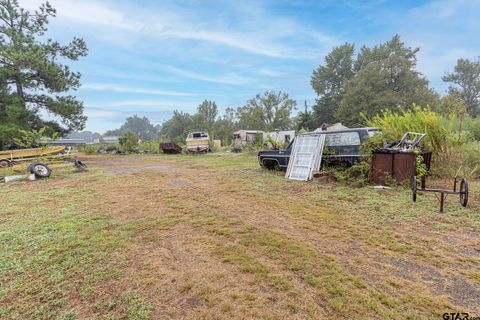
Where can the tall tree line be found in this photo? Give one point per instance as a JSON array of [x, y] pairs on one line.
[[271, 110]]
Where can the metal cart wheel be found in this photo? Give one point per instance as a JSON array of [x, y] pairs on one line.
[[413, 186], [464, 192], [5, 163]]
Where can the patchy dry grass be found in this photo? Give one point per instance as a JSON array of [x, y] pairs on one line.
[[214, 236]]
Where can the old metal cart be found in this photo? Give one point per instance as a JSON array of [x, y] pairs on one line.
[[462, 192]]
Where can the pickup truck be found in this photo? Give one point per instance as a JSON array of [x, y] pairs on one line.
[[342, 147]]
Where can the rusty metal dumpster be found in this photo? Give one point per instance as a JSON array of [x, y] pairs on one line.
[[398, 165]]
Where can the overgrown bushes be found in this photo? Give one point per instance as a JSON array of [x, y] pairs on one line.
[[417, 119], [150, 146], [129, 141], [357, 175], [473, 127], [451, 138]]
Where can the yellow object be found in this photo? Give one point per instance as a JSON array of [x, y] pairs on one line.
[[198, 141], [30, 153], [198, 145]]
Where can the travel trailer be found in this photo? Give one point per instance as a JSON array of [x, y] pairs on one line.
[[241, 137], [278, 138]]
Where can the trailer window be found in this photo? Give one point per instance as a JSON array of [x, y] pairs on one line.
[[342, 139]]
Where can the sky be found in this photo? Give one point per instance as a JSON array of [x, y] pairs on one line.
[[150, 57]]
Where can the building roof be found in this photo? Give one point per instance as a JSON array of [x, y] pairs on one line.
[[68, 141], [110, 138], [248, 131]]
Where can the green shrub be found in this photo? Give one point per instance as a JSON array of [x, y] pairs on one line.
[[469, 159], [440, 132], [151, 146], [473, 127], [110, 147], [90, 148], [129, 141], [255, 144], [357, 175]]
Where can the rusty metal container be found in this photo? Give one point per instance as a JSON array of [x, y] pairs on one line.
[[400, 166], [382, 167], [171, 148]]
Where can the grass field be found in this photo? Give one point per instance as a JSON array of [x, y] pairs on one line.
[[216, 237]]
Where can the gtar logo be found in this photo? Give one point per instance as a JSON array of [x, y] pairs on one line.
[[456, 316]]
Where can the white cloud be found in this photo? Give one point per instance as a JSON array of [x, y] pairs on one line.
[[270, 73], [101, 113], [173, 22], [225, 79], [244, 42], [88, 12], [436, 10], [150, 103], [129, 89]]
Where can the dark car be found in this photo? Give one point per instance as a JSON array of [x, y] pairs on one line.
[[342, 147]]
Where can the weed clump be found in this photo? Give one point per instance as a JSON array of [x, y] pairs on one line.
[[357, 175]]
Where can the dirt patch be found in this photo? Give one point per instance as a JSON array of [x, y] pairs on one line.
[[179, 182], [461, 291], [127, 169]]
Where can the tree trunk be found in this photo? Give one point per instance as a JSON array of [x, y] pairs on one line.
[[19, 86]]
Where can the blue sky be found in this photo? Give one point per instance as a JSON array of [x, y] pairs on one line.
[[152, 57]]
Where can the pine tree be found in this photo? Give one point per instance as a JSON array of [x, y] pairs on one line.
[[33, 81]]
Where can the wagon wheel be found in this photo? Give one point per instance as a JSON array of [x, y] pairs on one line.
[[5, 163], [40, 170], [464, 192], [413, 187]]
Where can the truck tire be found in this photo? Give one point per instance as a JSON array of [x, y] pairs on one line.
[[270, 164], [5, 163], [40, 170], [80, 165]]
